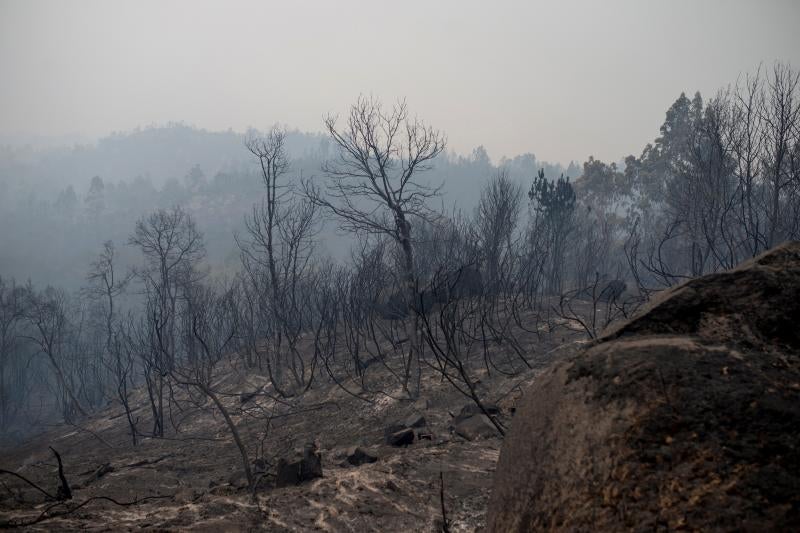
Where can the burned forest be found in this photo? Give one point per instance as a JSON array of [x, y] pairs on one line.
[[361, 325]]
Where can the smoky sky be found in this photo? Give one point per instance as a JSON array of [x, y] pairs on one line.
[[563, 79]]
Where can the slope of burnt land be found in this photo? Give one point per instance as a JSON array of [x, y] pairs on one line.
[[193, 477]]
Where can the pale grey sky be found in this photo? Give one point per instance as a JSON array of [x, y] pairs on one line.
[[564, 79]]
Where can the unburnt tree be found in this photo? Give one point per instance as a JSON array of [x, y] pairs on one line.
[[728, 170], [553, 202]]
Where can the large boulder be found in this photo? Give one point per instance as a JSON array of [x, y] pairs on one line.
[[476, 427], [401, 437], [449, 285], [612, 290], [472, 409], [445, 286], [394, 308], [303, 465], [685, 417], [357, 456], [415, 420]]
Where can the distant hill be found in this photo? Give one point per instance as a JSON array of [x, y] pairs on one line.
[[53, 231]]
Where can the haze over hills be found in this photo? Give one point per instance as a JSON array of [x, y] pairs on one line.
[[46, 192]]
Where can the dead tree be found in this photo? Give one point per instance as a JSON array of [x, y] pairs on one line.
[[373, 184], [497, 217], [209, 326], [278, 249], [781, 116], [11, 322], [452, 334], [553, 203], [124, 349], [47, 312], [262, 226], [105, 286], [746, 138], [171, 247]]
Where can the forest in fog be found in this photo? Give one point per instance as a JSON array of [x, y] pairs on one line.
[[153, 258], [66, 200]]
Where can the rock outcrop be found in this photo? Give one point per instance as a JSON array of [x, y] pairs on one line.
[[685, 417]]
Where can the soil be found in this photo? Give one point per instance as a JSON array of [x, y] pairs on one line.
[[197, 481]]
